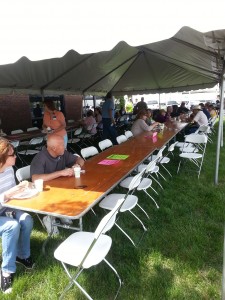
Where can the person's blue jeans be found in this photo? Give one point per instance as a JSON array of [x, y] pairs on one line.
[[109, 130], [15, 235]]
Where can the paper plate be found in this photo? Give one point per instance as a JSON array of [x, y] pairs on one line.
[[28, 193]]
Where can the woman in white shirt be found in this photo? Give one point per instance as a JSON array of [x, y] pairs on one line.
[[140, 124]]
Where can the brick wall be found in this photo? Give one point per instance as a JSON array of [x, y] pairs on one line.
[[73, 107], [15, 112]]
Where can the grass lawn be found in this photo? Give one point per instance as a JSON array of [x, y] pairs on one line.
[[179, 257]]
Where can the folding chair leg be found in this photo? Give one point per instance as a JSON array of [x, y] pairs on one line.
[[151, 198], [129, 238], [156, 181], [166, 170], [141, 208], [117, 275], [145, 229]]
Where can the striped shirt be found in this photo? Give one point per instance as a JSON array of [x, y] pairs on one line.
[[7, 181]]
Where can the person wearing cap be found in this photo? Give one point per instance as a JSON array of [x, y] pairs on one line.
[[199, 118]]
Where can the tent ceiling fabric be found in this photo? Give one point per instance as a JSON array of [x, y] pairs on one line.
[[189, 60]]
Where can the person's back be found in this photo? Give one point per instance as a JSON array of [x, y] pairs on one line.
[[141, 105]]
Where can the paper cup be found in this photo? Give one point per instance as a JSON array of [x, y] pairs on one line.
[[77, 172], [39, 184]]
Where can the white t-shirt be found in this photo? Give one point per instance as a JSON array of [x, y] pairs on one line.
[[201, 118]]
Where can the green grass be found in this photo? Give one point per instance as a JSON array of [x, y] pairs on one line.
[[179, 257]]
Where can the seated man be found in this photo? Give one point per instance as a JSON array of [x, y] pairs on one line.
[[199, 118], [52, 162], [15, 225]]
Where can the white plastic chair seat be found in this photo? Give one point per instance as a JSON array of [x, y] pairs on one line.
[[73, 141], [28, 152], [191, 155], [32, 129], [72, 250], [165, 160], [111, 200], [145, 184]]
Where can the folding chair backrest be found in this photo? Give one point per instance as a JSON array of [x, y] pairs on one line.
[[15, 144], [89, 151], [78, 131], [16, 131], [23, 173], [108, 220], [128, 134], [36, 141], [105, 144], [171, 147], [196, 138], [159, 154], [121, 138], [203, 129], [136, 181], [32, 129], [151, 165]]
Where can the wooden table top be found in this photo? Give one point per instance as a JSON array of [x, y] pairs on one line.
[[73, 197]]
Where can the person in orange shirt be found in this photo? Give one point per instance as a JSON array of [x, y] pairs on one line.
[[54, 121]]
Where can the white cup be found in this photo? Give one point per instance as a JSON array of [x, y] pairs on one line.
[[77, 172], [38, 183]]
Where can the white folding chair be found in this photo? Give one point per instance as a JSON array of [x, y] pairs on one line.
[[23, 173], [196, 158], [121, 138], [16, 131], [75, 139], [32, 148], [128, 134], [105, 144], [111, 200], [86, 249], [88, 152], [145, 183], [32, 129]]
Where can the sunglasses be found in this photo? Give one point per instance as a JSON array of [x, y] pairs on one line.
[[13, 154]]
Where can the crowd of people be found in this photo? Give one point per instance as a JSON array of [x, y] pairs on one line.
[[54, 161]]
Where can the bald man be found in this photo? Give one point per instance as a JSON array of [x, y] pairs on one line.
[[52, 162]]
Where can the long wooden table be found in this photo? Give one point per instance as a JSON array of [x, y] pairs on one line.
[[73, 198]]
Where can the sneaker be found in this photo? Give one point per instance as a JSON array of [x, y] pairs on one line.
[[48, 225], [6, 283], [27, 262], [66, 221]]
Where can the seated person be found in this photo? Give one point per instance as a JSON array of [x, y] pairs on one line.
[[15, 225], [205, 110], [199, 118], [149, 119], [182, 109], [161, 116], [140, 125], [52, 162], [212, 111], [98, 117], [89, 121], [169, 112]]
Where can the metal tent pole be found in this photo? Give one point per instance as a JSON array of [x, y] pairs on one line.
[[220, 129]]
